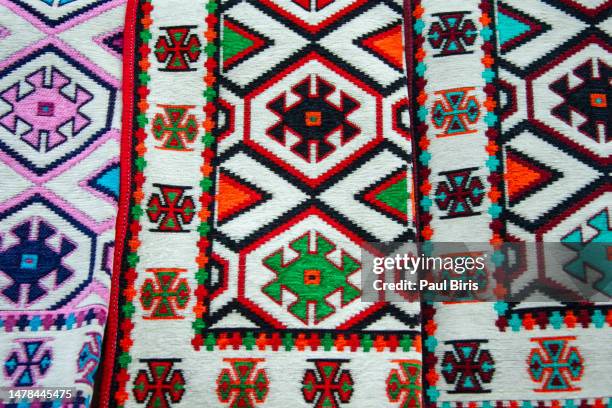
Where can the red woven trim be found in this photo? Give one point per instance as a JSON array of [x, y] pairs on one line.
[[108, 361]]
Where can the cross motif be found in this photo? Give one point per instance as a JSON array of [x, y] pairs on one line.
[[454, 111], [178, 48], [452, 34], [160, 384], [242, 385], [467, 366], [89, 358], [29, 362], [328, 386], [175, 128], [172, 209], [405, 385], [459, 193], [165, 293], [555, 364]]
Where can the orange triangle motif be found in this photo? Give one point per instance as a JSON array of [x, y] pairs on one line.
[[234, 196], [522, 176], [388, 44]]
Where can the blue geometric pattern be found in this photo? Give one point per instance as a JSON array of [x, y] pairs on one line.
[[107, 181], [34, 362]]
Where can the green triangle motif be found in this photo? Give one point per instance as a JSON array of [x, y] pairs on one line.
[[328, 370], [234, 43], [395, 195]]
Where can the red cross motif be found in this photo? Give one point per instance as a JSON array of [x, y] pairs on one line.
[[171, 210], [328, 386], [178, 48], [160, 384]]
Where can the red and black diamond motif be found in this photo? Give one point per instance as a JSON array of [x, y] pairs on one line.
[[312, 16]]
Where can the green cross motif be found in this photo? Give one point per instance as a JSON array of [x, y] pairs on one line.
[[175, 128], [243, 386], [164, 294], [311, 277], [404, 385]]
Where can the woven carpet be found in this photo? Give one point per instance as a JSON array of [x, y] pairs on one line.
[[60, 109], [515, 147], [289, 154], [252, 152]]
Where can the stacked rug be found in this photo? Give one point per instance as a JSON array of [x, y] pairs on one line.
[[204, 242]]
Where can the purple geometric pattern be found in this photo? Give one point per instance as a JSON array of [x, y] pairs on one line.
[[45, 109], [28, 362], [43, 119], [59, 133]]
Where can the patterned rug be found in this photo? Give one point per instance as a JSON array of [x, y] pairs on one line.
[[255, 184], [60, 64], [515, 147], [265, 146]]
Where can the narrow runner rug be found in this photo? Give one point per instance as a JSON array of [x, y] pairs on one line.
[[60, 103], [267, 142], [513, 135]]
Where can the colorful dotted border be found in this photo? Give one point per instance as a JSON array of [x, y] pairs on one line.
[[208, 173], [136, 211], [53, 320]]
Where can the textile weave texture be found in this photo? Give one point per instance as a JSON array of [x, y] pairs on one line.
[[60, 105], [301, 147], [203, 240], [290, 154], [515, 147]]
